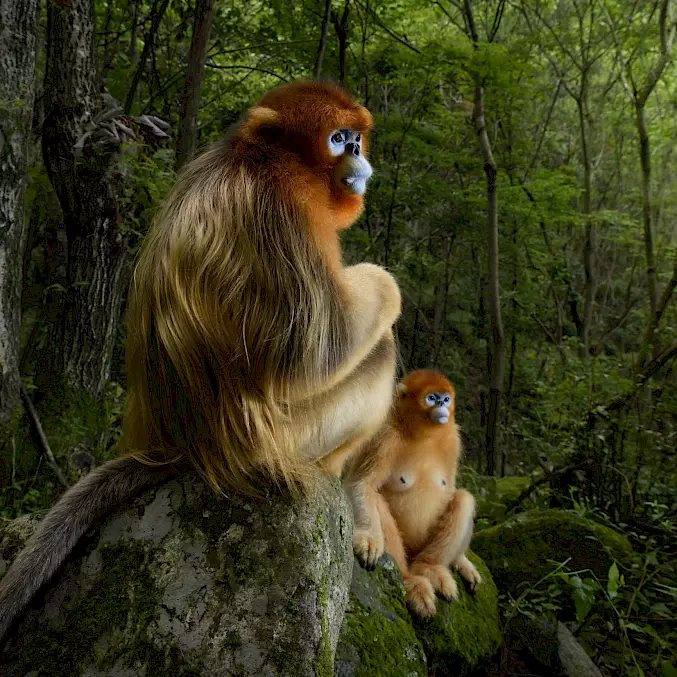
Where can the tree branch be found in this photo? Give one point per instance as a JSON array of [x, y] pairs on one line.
[[317, 70], [40, 438], [249, 68]]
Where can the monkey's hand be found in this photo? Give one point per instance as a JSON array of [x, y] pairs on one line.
[[468, 572], [368, 547], [374, 301]]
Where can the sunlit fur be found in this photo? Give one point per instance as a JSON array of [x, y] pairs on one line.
[[412, 508], [236, 307], [252, 352]]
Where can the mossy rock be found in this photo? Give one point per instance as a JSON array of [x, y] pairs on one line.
[[523, 548], [380, 638], [494, 494], [377, 637], [464, 631], [13, 537], [182, 582]]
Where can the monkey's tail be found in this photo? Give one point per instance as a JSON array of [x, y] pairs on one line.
[[78, 509]]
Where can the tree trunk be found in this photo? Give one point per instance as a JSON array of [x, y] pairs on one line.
[[645, 163], [341, 27], [317, 70], [202, 26], [497, 348], [18, 30], [148, 44], [79, 353], [132, 53], [589, 244]]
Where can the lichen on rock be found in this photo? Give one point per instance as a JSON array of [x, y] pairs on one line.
[[182, 582]]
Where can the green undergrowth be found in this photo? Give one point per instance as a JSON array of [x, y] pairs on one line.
[[523, 548], [69, 420]]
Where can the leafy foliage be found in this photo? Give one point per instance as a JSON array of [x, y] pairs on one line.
[[591, 430]]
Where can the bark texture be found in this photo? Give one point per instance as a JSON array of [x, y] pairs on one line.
[[98, 262], [18, 29], [202, 26]]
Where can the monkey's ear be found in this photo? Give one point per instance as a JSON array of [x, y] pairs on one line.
[[401, 390], [258, 117]]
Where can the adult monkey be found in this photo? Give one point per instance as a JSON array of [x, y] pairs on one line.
[[252, 352]]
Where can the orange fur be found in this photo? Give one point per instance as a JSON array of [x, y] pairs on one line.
[[245, 330], [309, 112], [252, 353], [412, 505]]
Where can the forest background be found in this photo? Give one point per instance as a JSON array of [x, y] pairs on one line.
[[525, 198]]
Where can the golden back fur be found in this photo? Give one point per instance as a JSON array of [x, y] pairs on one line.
[[233, 311]]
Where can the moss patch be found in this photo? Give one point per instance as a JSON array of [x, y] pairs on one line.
[[13, 537], [377, 637], [463, 632], [115, 606], [519, 550], [494, 494]]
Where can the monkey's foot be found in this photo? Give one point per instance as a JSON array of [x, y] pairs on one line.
[[468, 572], [439, 576], [420, 595], [367, 548]]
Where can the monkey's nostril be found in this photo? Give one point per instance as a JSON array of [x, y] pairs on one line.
[[352, 149]]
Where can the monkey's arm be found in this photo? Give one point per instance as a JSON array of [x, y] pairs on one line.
[[78, 509], [454, 451], [373, 304], [365, 478]]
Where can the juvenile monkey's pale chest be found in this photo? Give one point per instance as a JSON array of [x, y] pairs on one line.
[[418, 491]]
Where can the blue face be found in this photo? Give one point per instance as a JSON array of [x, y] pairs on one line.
[[439, 404], [345, 141], [438, 399], [354, 170]]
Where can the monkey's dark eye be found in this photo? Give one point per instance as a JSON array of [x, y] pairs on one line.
[[337, 137], [447, 400], [431, 399], [357, 138]]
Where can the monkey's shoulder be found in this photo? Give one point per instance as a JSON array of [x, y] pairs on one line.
[[369, 280]]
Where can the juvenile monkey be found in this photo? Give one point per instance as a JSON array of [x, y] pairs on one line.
[[252, 353], [407, 484]]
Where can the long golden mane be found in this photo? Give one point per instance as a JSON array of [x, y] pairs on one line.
[[231, 304]]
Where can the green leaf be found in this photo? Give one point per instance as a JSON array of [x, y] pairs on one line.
[[583, 600], [668, 669], [660, 608], [612, 584]]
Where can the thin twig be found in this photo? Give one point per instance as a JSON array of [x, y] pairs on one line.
[[13, 459], [40, 437]]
